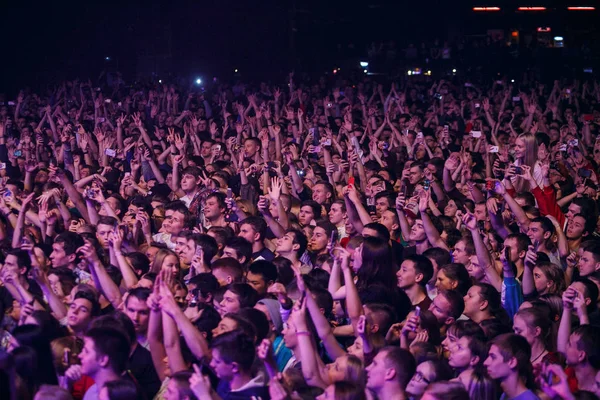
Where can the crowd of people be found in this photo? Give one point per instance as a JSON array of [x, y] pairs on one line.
[[346, 239]]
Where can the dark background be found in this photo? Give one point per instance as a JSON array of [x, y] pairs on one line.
[[48, 41]]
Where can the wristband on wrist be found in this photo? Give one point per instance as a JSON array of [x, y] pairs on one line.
[[303, 333]]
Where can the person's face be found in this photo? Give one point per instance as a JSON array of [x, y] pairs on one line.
[[229, 252], [225, 325], [205, 149], [172, 392], [450, 209], [285, 244], [536, 232], [174, 222], [542, 283], [212, 210], [415, 175], [336, 214], [257, 282], [230, 303], [58, 257], [461, 356], [289, 334], [473, 301], [460, 254], [423, 376], [89, 358], [337, 370], [496, 367], [480, 212], [320, 194], [188, 183], [575, 228], [248, 233], [185, 249], [222, 369], [573, 354], [79, 314], [587, 265], [440, 307], [388, 219], [103, 233], [443, 282], [514, 253], [356, 348], [476, 271], [521, 328], [382, 204], [318, 241], [171, 263], [138, 312], [151, 253], [377, 371], [572, 210], [417, 232], [250, 148], [55, 285], [407, 275], [306, 215], [519, 148]]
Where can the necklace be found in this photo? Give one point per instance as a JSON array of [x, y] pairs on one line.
[[541, 354]]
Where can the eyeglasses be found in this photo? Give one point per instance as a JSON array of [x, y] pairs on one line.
[[418, 377]]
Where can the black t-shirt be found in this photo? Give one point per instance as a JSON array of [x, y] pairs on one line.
[[142, 368]]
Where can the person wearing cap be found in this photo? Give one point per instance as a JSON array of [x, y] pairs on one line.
[[281, 353]]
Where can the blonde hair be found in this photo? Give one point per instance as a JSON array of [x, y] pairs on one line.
[[531, 150]]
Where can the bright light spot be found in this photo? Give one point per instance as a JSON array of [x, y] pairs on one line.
[[160, 81], [198, 81], [512, 80], [335, 71], [558, 38], [235, 70], [454, 70], [409, 72], [364, 64], [107, 58], [339, 69], [365, 71]]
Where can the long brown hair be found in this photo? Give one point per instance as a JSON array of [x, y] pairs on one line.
[[160, 258]]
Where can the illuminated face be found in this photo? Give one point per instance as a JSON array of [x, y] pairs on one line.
[[443, 282], [536, 232], [382, 204], [472, 301], [185, 249], [230, 303], [476, 271], [285, 244], [417, 232], [171, 262], [572, 210], [318, 241], [587, 265], [225, 325], [139, 313], [496, 367], [103, 233], [450, 209], [576, 228], [460, 254], [521, 328], [306, 215], [212, 209], [389, 219], [406, 275], [58, 257], [248, 233], [174, 222], [519, 148], [461, 356], [188, 183], [336, 214], [415, 175], [320, 194], [542, 283], [79, 314]]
